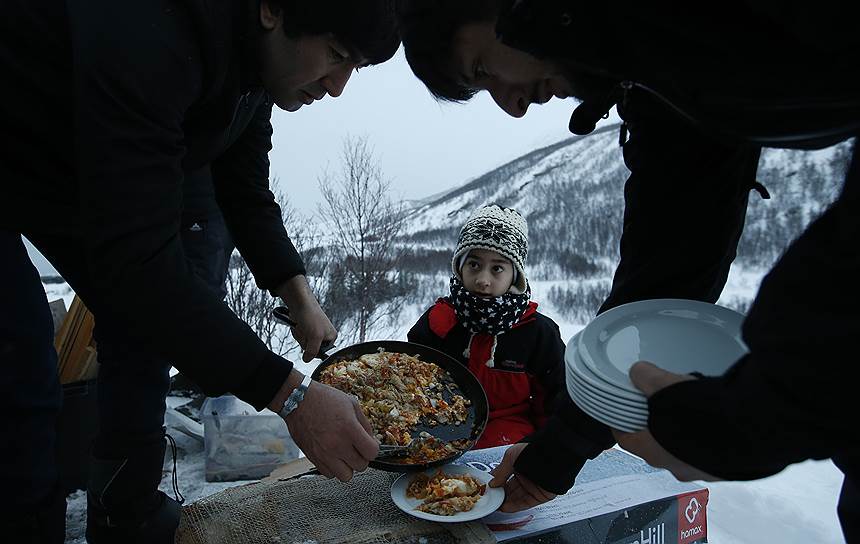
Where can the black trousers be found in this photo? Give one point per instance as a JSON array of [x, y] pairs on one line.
[[132, 385], [30, 393], [849, 498]]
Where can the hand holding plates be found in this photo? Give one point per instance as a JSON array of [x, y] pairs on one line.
[[681, 336]]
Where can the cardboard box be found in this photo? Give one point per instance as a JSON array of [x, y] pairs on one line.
[[617, 499]]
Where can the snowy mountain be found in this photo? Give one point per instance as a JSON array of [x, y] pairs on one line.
[[572, 194]]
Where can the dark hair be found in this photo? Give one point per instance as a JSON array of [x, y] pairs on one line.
[[427, 28], [366, 28]]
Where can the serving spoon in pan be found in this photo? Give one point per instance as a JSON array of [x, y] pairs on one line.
[[387, 450]]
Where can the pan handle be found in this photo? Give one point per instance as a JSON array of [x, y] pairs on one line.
[[282, 314]]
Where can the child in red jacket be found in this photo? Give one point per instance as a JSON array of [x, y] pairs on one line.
[[489, 324]]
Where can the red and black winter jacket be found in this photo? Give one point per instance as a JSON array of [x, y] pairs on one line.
[[526, 374], [526, 391]]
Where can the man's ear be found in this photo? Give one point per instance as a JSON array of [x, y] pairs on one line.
[[270, 15]]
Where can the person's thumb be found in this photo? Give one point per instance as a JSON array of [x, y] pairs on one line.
[[649, 378], [312, 347], [503, 471]]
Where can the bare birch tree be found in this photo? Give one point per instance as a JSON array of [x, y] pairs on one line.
[[254, 305], [365, 284]]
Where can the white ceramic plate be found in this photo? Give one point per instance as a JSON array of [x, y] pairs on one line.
[[575, 365], [636, 408], [603, 416], [489, 503], [638, 415], [677, 335], [608, 411]]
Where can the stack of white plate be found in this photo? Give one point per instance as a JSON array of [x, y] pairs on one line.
[[681, 336]]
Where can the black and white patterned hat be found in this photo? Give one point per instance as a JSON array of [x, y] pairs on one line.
[[498, 229]]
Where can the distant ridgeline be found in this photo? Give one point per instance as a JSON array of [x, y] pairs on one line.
[[572, 194]]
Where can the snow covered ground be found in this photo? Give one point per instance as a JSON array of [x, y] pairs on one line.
[[795, 506]]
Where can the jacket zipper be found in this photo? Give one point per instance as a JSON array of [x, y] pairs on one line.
[[627, 85]]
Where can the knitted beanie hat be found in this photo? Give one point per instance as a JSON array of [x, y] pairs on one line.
[[498, 229]]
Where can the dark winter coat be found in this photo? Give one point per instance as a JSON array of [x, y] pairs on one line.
[[525, 381], [104, 107], [772, 73], [706, 89]]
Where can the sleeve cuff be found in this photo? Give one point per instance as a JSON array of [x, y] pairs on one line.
[[276, 282], [263, 384], [695, 423], [548, 466]]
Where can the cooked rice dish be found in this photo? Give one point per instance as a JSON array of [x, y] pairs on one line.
[[445, 494], [427, 448], [397, 391]]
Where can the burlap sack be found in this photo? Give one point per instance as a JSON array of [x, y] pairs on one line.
[[313, 509]]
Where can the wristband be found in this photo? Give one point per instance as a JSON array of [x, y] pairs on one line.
[[295, 397]]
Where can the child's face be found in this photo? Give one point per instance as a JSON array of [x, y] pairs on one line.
[[486, 273]]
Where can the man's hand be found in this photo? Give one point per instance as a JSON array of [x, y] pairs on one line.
[[649, 379], [314, 327], [520, 492], [330, 429]]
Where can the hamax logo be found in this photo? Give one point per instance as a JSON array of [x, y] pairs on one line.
[[695, 531], [693, 517], [692, 510]]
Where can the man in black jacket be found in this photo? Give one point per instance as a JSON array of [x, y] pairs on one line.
[[699, 94], [106, 108]]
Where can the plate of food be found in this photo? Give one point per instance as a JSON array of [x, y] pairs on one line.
[[413, 396], [451, 493]]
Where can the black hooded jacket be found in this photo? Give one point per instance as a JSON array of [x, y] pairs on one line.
[[777, 74], [700, 94], [105, 107]]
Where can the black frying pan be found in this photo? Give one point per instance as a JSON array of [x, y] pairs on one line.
[[466, 382]]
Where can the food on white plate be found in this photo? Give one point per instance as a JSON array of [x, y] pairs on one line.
[[445, 494]]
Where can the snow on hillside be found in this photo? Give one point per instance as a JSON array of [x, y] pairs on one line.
[[572, 195]]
